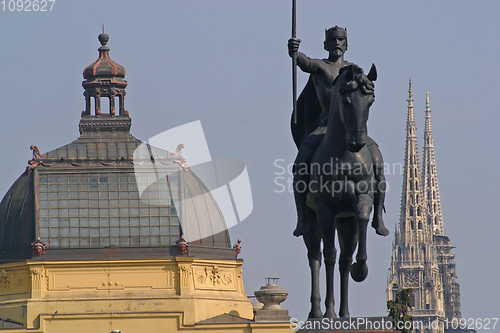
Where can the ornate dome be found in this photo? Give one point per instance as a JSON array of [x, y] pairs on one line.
[[104, 66], [100, 192], [85, 195]]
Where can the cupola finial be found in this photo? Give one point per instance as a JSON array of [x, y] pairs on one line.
[[104, 78], [103, 38]]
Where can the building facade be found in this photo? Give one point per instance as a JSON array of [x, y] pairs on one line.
[[421, 255], [91, 234]]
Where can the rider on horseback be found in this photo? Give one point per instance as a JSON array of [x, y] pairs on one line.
[[313, 106]]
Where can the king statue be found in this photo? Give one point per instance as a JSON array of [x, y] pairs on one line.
[[313, 107]]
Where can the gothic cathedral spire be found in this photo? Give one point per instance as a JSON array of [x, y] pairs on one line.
[[445, 259], [414, 257], [430, 179], [412, 200]]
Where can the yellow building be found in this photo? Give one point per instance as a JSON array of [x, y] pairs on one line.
[[90, 243]]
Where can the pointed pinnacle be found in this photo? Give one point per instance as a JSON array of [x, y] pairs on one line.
[[410, 96], [427, 105]]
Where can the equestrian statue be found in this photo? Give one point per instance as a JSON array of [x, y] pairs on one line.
[[338, 171]]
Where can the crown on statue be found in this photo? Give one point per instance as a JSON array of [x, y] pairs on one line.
[[335, 32]]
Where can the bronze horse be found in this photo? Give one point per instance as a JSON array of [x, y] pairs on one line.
[[342, 188]]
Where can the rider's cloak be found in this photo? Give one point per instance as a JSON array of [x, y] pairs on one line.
[[308, 113]]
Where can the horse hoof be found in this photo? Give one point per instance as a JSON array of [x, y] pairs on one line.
[[299, 232], [330, 314], [378, 225], [359, 271], [301, 227], [382, 231], [315, 314], [344, 314]]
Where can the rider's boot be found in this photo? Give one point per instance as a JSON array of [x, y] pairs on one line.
[[300, 186], [379, 197], [300, 183], [301, 179]]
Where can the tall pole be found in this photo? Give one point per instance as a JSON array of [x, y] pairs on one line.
[[294, 62]]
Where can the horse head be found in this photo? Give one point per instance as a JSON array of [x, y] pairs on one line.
[[356, 95]]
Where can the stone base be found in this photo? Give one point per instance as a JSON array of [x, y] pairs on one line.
[[272, 316], [351, 325]]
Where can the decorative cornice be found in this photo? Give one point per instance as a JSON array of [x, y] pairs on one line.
[[97, 125]]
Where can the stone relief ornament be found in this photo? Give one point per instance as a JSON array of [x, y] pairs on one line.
[[214, 276], [9, 281]]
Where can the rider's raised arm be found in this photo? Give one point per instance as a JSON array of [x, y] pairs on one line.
[[308, 65], [305, 63]]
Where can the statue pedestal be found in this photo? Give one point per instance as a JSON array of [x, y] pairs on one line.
[[272, 316], [351, 325]]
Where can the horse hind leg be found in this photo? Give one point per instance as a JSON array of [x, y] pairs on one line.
[[359, 270], [314, 265], [347, 235], [313, 242], [330, 255]]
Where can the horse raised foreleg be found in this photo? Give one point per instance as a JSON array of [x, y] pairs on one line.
[[359, 269], [347, 240], [313, 241]]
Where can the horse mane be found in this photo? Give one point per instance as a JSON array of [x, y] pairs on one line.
[[359, 80]]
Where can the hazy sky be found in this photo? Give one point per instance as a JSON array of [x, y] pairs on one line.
[[226, 63]]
